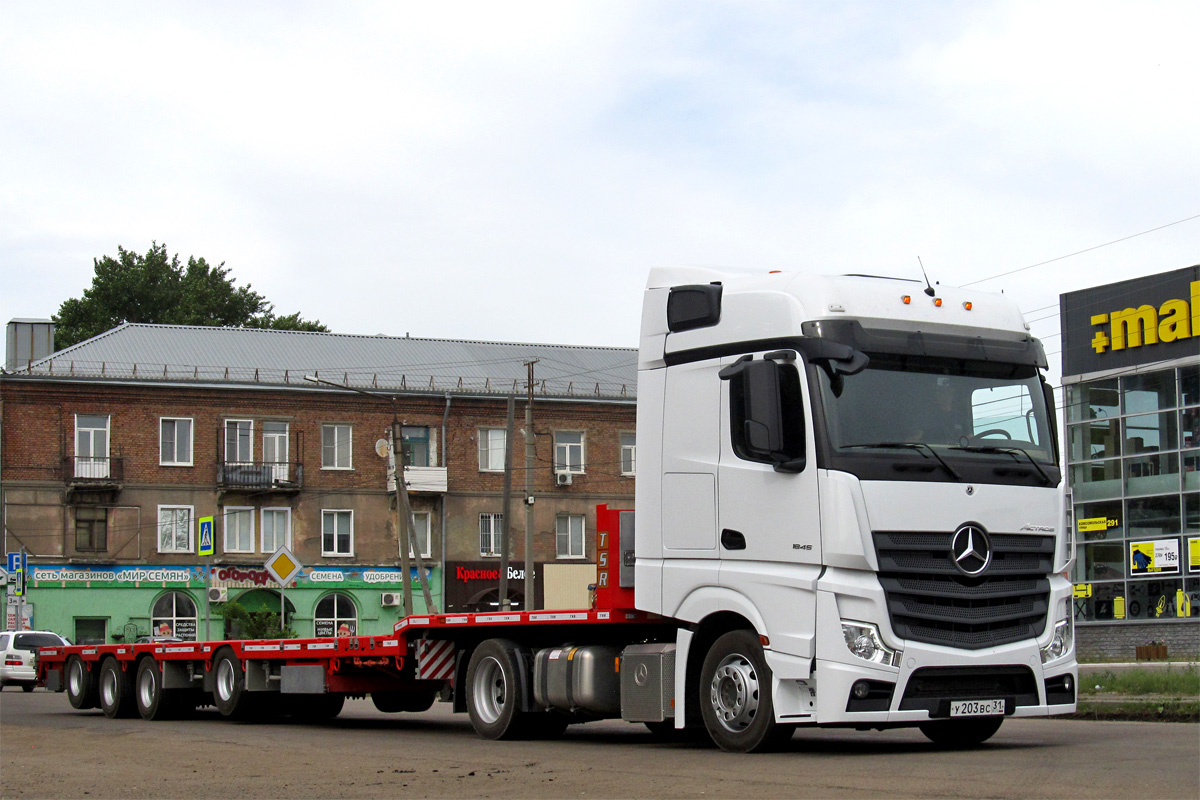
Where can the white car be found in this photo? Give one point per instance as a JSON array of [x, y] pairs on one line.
[[19, 652]]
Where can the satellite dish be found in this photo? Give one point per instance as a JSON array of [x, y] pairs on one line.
[[381, 448]]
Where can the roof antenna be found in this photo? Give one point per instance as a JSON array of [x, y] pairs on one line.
[[928, 286]]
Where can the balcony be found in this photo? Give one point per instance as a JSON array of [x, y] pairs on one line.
[[260, 476], [420, 480], [85, 471]]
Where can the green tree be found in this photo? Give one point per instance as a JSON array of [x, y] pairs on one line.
[[261, 624], [157, 288]]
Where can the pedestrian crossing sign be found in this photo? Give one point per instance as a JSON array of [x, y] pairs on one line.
[[206, 536]]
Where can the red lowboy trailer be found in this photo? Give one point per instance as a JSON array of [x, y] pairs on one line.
[[512, 671]]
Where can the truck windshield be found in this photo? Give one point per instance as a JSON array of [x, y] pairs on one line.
[[941, 410]]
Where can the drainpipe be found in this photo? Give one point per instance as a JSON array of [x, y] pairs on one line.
[[445, 453]]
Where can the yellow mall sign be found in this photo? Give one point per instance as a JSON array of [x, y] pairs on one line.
[[1173, 321]]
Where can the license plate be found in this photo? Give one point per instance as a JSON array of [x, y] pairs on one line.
[[975, 708]]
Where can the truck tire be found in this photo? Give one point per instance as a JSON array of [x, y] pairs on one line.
[[413, 701], [317, 707], [116, 690], [735, 696], [82, 688], [961, 733], [229, 686], [153, 702], [496, 690]]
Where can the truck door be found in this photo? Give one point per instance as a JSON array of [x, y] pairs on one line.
[[768, 517]]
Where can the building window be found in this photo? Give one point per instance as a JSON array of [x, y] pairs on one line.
[[175, 442], [422, 534], [335, 447], [337, 533], [276, 529], [1135, 474], [491, 449], [90, 630], [335, 616], [568, 451], [239, 441], [414, 442], [174, 614], [628, 454], [91, 529], [275, 449], [175, 529], [570, 536], [239, 530], [491, 529], [91, 446]]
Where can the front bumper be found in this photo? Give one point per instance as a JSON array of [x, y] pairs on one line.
[[928, 677]]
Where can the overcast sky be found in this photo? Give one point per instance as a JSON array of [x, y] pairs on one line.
[[510, 171]]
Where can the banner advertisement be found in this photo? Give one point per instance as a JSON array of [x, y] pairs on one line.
[[1155, 557]]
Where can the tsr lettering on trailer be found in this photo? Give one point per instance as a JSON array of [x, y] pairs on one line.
[[1173, 321]]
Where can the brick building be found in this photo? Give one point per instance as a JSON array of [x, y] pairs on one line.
[[113, 451]]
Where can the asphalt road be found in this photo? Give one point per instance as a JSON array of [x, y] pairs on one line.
[[47, 749]]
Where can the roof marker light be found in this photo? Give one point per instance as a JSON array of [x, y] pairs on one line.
[[906, 299], [967, 305], [937, 301]]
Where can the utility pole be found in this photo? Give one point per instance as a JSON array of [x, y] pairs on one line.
[[530, 459], [404, 516], [506, 530], [402, 502]]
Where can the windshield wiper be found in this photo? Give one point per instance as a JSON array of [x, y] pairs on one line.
[[1012, 451], [920, 447]]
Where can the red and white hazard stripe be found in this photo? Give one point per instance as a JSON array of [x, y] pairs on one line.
[[435, 659]]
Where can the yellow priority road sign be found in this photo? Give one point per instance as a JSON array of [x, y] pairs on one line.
[[283, 566]]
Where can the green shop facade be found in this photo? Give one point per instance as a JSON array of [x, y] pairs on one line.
[[1131, 375], [99, 604]]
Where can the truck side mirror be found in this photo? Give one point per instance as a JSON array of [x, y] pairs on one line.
[[766, 413]]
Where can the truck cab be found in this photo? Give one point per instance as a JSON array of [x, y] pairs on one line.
[[863, 476]]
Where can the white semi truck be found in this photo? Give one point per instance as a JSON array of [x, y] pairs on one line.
[[848, 513]]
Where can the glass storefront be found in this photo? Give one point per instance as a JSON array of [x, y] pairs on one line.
[[1133, 447]]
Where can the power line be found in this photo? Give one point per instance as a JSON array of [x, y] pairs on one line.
[[1086, 250]]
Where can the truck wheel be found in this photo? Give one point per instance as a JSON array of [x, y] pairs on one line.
[[229, 686], [735, 696], [413, 701], [960, 733], [116, 690], [153, 702], [82, 690], [496, 691]]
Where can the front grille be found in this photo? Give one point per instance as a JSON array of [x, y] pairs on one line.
[[929, 600]]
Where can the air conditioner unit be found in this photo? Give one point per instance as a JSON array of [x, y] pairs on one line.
[[216, 595], [563, 478], [390, 599]]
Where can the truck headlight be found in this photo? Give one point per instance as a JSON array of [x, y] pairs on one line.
[[1063, 639], [864, 641]]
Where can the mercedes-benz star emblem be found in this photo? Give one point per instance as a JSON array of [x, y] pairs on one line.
[[971, 550]]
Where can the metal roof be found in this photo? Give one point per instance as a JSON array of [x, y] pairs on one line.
[[195, 354]]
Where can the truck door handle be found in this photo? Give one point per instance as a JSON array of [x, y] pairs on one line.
[[733, 540]]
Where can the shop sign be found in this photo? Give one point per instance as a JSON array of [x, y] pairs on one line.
[[1155, 557], [1096, 524], [116, 575], [1138, 321], [1194, 554]]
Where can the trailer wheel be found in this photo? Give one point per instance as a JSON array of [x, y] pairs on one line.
[[960, 733], [82, 689], [153, 702], [496, 690], [229, 686], [413, 701], [116, 690], [317, 707], [735, 696]]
